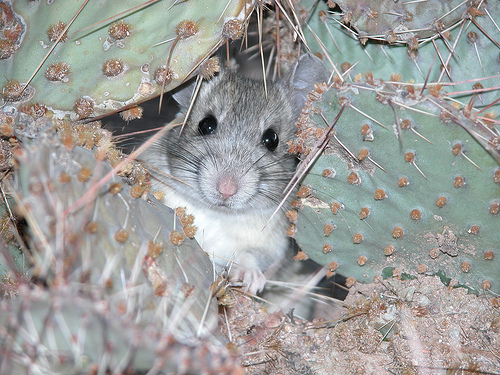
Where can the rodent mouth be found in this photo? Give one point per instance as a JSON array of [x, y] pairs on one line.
[[228, 205], [225, 204]]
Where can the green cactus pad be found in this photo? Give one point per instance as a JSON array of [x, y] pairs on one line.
[[119, 238], [375, 202], [376, 19], [65, 330], [113, 53], [377, 37]]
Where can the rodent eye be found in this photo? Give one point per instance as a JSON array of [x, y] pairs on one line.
[[207, 125], [270, 139]]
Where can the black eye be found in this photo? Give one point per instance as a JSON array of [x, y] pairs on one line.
[[270, 139], [207, 125]]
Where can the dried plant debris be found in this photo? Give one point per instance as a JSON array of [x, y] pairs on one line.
[[392, 326]]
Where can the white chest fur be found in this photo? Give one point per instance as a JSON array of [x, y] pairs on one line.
[[236, 236]]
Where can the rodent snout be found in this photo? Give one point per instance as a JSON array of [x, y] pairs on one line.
[[232, 189], [227, 187]]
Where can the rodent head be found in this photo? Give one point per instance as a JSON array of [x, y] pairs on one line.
[[232, 151]]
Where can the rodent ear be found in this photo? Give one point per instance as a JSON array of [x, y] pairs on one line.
[[307, 71], [183, 94]]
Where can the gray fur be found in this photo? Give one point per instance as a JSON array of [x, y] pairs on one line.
[[235, 149]]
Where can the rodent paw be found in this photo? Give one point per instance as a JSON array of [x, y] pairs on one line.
[[253, 279]]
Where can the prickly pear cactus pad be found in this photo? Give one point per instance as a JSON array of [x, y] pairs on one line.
[[113, 241], [119, 284], [381, 20], [401, 187], [65, 331], [410, 182], [113, 54], [414, 40]]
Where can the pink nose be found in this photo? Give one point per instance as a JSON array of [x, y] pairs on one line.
[[227, 187]]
